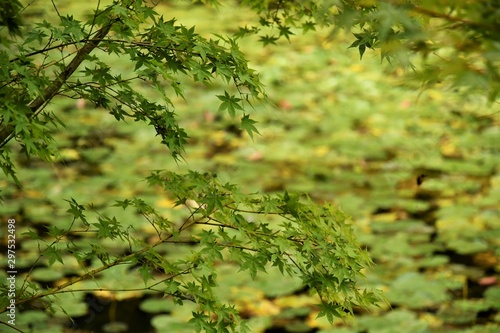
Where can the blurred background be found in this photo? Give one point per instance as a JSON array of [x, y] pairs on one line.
[[348, 131]]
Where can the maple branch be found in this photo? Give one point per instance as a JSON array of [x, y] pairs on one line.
[[450, 18]]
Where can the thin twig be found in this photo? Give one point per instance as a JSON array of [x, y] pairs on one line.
[[55, 7]]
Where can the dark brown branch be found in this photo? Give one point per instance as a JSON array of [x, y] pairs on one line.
[[51, 91], [122, 260], [7, 131], [450, 18]]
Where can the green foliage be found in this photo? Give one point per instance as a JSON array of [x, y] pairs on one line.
[[158, 53], [287, 232], [312, 242], [450, 41]]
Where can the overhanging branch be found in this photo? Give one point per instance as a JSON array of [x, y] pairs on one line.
[[7, 131]]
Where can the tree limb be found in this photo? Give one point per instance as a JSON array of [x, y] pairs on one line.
[[6, 133]]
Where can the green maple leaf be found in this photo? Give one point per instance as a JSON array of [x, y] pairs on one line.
[[247, 124]]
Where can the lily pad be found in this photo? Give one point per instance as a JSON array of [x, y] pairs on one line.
[[46, 274], [157, 305], [271, 284], [415, 291], [166, 323], [462, 311], [396, 321], [492, 297]]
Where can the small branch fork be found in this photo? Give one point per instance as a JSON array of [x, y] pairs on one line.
[[90, 274], [7, 132]]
